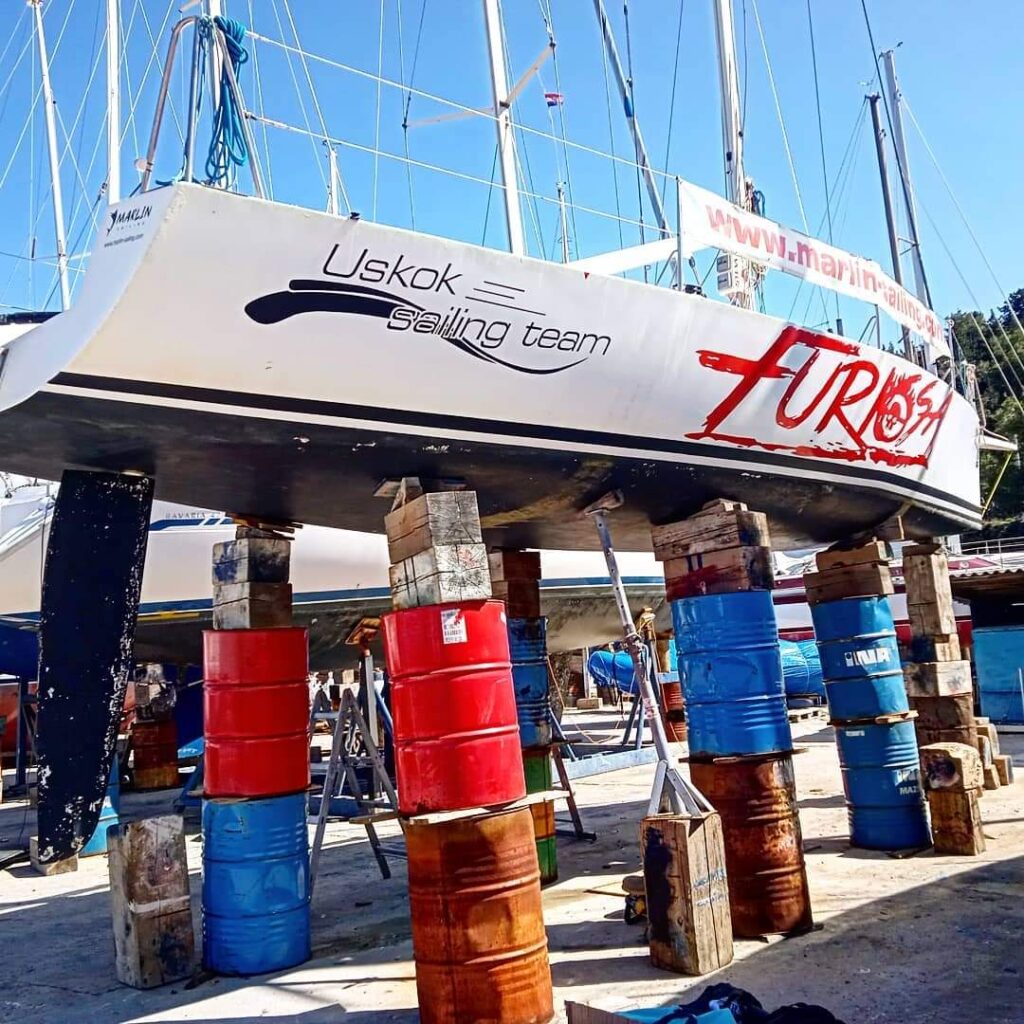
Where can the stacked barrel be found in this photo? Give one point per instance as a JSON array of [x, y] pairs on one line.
[[718, 578], [154, 733], [515, 579], [474, 885], [256, 763], [860, 662]]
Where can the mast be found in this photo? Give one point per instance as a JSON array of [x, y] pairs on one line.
[[334, 186], [113, 104], [213, 9], [506, 138], [890, 220], [634, 127], [50, 111], [900, 144], [740, 292]]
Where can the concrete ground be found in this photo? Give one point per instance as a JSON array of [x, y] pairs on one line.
[[915, 940]]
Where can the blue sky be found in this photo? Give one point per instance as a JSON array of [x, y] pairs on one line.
[[958, 65]]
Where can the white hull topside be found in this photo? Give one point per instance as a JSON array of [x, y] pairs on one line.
[[281, 363]]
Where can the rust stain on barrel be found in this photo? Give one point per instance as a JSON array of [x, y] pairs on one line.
[[756, 798], [477, 926]]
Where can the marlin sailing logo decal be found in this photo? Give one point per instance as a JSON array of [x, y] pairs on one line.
[[354, 292]]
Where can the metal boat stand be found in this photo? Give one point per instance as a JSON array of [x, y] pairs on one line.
[[354, 747], [670, 790]]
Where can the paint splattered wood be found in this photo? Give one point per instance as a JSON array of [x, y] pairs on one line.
[[90, 601]]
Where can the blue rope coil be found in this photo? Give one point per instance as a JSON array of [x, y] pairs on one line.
[[228, 148]]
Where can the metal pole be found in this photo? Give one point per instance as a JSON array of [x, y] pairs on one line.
[[506, 136], [50, 111], [213, 9], [638, 140], [335, 181], [563, 221], [894, 247], [113, 103], [732, 129], [900, 143], [679, 237]]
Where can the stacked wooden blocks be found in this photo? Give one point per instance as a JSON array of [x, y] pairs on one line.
[[250, 581], [938, 681], [723, 549], [954, 778], [436, 550]]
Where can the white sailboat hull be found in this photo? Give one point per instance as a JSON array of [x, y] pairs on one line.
[[279, 362]]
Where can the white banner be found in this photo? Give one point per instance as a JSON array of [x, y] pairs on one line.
[[709, 221]]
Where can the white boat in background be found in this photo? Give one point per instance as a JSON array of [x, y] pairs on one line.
[[338, 578]]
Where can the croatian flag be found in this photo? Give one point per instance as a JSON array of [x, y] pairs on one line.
[[553, 99]]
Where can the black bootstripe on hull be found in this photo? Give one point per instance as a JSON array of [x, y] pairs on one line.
[[398, 417]]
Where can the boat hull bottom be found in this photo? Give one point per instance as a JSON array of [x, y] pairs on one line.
[[530, 496]]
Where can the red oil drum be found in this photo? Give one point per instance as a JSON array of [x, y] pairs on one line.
[[673, 711], [477, 927], [155, 754], [454, 708], [256, 706]]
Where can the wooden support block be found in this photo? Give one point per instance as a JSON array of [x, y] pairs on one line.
[[937, 678], [719, 572], [689, 923], [938, 647], [252, 605], [252, 560], [712, 529], [588, 703], [991, 776], [150, 902], [873, 553], [956, 822], [521, 597], [49, 867], [945, 712], [441, 575], [986, 727], [932, 618], [865, 580], [432, 520], [951, 766], [514, 565], [930, 547], [1004, 768], [985, 750]]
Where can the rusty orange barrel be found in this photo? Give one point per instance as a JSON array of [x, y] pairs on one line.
[[673, 710], [256, 707], [155, 754], [477, 928], [756, 797], [456, 726]]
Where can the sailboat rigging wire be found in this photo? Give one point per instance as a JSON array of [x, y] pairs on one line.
[[785, 133], [821, 131], [632, 115], [258, 79], [376, 130], [289, 50], [462, 175], [904, 183], [405, 110], [672, 98], [963, 215], [485, 113], [611, 144]]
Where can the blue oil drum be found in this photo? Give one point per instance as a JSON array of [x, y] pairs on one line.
[[613, 669], [528, 647], [109, 814], [815, 678], [881, 779], [795, 674], [731, 671], [255, 884], [860, 658], [999, 661]]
